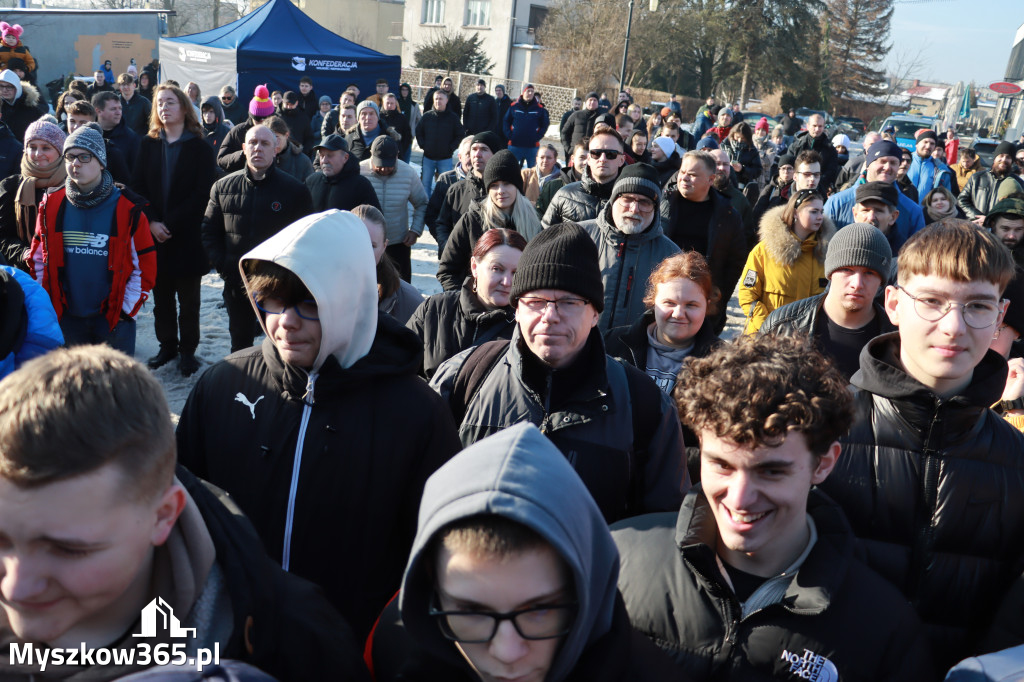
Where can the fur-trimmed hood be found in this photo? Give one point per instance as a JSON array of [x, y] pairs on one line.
[[783, 246]]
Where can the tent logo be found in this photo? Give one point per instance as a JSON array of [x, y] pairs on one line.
[[299, 63], [187, 55], [158, 614], [181, 54]]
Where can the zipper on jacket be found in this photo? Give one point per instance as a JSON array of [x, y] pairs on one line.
[[930, 495], [307, 409]]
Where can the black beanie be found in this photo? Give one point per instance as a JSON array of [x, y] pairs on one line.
[[503, 166], [490, 139], [1005, 147], [560, 257], [637, 178]]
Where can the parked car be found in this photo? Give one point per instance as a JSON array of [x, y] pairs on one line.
[[906, 127], [986, 148], [830, 125], [852, 126]]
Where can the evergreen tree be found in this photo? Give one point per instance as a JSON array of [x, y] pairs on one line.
[[453, 51], [858, 42]]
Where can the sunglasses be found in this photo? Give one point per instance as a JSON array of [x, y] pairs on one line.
[[610, 154]]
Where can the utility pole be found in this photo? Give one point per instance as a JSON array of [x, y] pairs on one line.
[[625, 48]]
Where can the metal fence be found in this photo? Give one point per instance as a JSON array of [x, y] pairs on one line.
[[556, 99]]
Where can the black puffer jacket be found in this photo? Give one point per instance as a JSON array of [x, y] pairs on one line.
[[578, 126], [453, 269], [934, 489], [747, 156], [837, 620], [578, 201], [343, 191], [230, 157], [392, 431], [451, 322], [397, 120], [439, 133], [182, 209], [804, 316], [243, 212]]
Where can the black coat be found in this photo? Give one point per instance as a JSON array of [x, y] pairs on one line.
[[183, 209], [231, 158], [503, 105], [457, 202], [453, 321], [727, 242], [397, 120], [243, 212], [126, 141], [480, 113], [10, 152], [299, 130], [829, 156], [293, 632], [13, 243], [343, 191], [374, 434], [441, 186], [357, 146], [453, 269], [26, 109], [834, 607], [136, 113], [579, 125], [934, 489], [578, 201], [439, 133]]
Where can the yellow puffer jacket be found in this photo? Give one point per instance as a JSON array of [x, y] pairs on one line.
[[781, 269]]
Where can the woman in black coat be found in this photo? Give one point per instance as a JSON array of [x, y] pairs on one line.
[[177, 202], [745, 158], [450, 322]]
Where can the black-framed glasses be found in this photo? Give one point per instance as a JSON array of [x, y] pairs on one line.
[[546, 621], [977, 314], [82, 157], [563, 306], [610, 154], [273, 305]]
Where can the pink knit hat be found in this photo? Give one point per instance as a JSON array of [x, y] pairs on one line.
[[47, 132], [260, 106]]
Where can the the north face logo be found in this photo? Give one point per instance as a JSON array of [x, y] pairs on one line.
[[810, 666]]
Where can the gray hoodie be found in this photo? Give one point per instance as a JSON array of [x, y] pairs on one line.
[[518, 474]]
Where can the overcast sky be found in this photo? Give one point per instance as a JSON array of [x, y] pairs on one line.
[[958, 39]]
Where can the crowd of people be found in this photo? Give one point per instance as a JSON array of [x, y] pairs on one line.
[[557, 469]]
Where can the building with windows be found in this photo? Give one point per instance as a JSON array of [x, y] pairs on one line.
[[507, 28]]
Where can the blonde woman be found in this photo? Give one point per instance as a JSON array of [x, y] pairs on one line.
[[504, 206]]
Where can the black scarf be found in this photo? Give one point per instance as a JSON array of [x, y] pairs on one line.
[[94, 198]]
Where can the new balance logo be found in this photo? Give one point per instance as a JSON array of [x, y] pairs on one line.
[[240, 398], [158, 615], [810, 666], [86, 239]]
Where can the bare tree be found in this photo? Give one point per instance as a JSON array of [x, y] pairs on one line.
[[906, 63], [578, 35]]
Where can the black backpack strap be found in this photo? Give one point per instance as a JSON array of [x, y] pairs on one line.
[[478, 364]]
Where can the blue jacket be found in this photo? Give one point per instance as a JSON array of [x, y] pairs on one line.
[[41, 333], [927, 174], [701, 126], [839, 208], [526, 123]]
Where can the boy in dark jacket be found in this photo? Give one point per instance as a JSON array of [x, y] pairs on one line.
[[102, 530], [324, 435], [512, 576], [930, 477], [755, 577]]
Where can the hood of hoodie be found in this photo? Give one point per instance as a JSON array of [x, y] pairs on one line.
[[520, 475], [318, 249], [214, 102], [12, 78]]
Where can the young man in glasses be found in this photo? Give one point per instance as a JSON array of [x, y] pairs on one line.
[[630, 244], [755, 576], [929, 476], [612, 423], [583, 200], [93, 251], [511, 577], [324, 435]]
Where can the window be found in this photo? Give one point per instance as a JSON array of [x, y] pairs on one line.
[[433, 11], [478, 12]]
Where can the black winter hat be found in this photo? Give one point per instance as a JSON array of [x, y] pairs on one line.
[[787, 160], [503, 166], [1005, 147], [637, 178], [491, 139], [561, 257]]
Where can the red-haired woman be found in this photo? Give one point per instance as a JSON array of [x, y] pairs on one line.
[[480, 311]]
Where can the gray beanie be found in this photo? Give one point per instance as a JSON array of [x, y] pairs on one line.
[[90, 138], [859, 244]]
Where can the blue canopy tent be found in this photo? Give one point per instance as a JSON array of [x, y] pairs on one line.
[[276, 44]]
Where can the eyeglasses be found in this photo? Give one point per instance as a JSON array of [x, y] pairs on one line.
[[479, 627], [227, 100], [82, 158], [563, 306], [610, 154], [977, 314], [643, 204], [273, 305]]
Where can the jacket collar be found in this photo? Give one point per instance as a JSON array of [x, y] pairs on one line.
[[783, 246]]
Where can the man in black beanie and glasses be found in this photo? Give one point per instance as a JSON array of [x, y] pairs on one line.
[[617, 429]]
